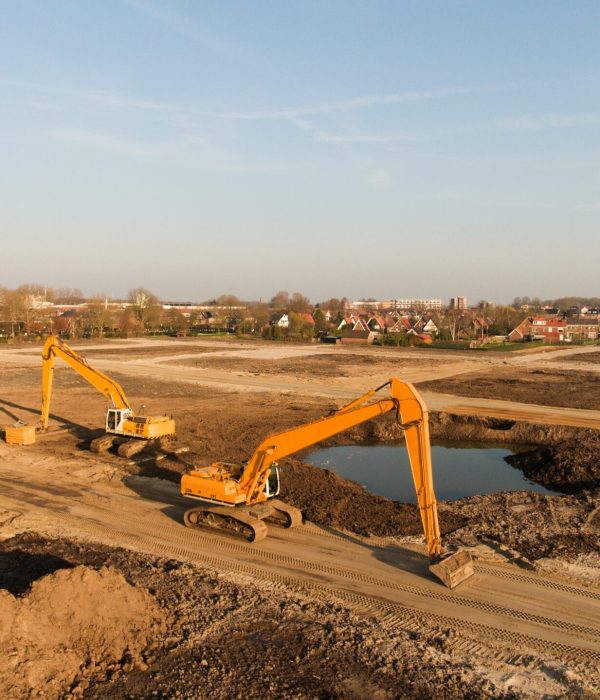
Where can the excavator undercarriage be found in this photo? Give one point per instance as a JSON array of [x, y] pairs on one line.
[[246, 521]]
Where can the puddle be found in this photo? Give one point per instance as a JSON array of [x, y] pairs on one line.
[[457, 471]]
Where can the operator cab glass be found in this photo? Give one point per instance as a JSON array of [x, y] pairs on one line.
[[111, 420], [272, 488]]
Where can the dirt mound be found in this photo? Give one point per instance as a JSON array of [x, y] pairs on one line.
[[532, 524], [71, 624], [569, 466], [328, 499]]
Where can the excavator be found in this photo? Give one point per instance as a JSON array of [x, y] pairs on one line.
[[239, 497], [120, 419]]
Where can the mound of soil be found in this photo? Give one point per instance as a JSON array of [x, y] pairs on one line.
[[328, 499], [71, 623], [230, 637], [534, 525], [569, 466]]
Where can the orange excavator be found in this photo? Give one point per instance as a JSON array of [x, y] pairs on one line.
[[121, 422], [239, 497]]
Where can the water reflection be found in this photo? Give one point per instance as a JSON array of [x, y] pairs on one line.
[[457, 471]]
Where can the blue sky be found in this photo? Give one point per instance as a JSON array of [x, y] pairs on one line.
[[384, 149]]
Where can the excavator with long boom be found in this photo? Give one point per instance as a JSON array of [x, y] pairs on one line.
[[120, 419], [239, 497]]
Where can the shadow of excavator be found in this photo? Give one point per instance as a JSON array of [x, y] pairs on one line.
[[393, 555], [6, 405]]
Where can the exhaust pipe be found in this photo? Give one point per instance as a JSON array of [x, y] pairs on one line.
[[453, 569]]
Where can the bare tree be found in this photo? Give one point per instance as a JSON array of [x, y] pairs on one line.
[[99, 315], [145, 307], [68, 295], [15, 309], [281, 300], [176, 321], [228, 300], [299, 303], [127, 322]]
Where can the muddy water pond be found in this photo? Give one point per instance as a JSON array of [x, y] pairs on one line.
[[457, 471]]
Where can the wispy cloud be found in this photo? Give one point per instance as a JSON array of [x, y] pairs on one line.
[[185, 27], [187, 151], [105, 97], [122, 101], [382, 138], [546, 121], [355, 103]]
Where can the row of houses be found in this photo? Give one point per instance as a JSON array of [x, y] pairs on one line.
[[554, 329]]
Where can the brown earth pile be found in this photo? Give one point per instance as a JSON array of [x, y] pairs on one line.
[[532, 524], [231, 638], [68, 625], [569, 466], [328, 499]]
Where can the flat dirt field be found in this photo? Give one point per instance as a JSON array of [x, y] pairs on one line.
[[342, 606], [565, 388]]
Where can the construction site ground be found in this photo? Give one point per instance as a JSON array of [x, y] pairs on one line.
[[343, 606]]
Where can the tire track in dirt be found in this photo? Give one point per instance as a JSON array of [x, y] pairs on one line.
[[401, 616], [148, 535]]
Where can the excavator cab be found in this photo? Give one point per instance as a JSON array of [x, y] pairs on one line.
[[115, 417], [272, 485]]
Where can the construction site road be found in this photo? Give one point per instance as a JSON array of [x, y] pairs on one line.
[[498, 611], [445, 365]]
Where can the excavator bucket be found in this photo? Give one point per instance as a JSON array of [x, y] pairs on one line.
[[454, 568]]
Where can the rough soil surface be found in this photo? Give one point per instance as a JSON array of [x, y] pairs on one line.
[[532, 525], [592, 358], [330, 365], [537, 386], [228, 638], [72, 623], [570, 466]]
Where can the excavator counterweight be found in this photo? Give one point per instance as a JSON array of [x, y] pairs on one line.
[[237, 497]]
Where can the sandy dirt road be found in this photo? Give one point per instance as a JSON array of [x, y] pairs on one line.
[[502, 608]]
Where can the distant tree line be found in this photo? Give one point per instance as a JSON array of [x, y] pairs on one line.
[[31, 309]]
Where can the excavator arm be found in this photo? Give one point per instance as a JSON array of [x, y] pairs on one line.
[[412, 417], [54, 347]]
